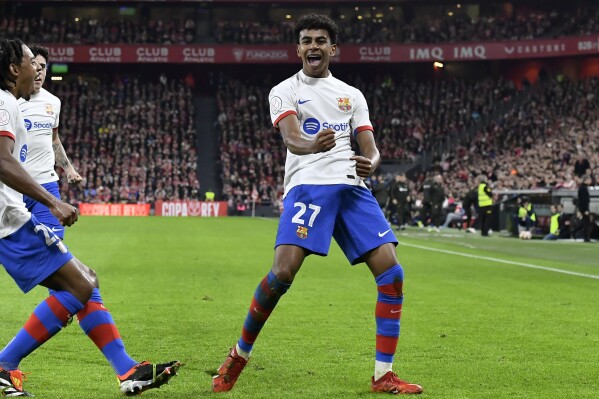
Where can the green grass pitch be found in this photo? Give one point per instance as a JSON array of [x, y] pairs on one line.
[[473, 325]]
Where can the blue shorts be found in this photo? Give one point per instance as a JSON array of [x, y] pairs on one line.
[[312, 214], [41, 211], [32, 254]]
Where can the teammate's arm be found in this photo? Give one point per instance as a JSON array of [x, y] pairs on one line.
[[61, 159], [15, 177], [371, 158], [296, 144]]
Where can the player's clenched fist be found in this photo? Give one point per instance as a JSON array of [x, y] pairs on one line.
[[66, 214], [324, 141], [363, 165]]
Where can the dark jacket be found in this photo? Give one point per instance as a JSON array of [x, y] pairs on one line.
[[584, 198]]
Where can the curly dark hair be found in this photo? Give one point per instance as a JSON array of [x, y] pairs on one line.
[[36, 49], [11, 52], [316, 21]]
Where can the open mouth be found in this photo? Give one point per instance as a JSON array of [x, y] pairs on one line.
[[314, 60]]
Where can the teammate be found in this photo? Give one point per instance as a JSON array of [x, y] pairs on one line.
[[325, 197], [44, 148], [33, 255]]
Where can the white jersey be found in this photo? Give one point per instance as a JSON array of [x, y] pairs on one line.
[[13, 213], [321, 103], [41, 114]]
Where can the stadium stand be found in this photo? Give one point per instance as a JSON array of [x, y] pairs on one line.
[[358, 26], [132, 141]]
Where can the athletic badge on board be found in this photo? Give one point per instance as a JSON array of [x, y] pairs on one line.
[[344, 104], [302, 232]]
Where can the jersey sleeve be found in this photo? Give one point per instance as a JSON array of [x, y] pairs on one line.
[[58, 108], [8, 120], [360, 120], [282, 103]]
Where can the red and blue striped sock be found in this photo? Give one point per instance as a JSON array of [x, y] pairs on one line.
[[388, 313], [48, 318], [97, 323], [266, 297]]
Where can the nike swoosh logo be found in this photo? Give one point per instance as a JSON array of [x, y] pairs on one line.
[[303, 102], [55, 229], [258, 312], [383, 233], [395, 311]]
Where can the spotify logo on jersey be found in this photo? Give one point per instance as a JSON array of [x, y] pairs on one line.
[[311, 126]]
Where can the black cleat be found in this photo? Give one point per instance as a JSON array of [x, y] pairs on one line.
[[11, 384], [146, 376]]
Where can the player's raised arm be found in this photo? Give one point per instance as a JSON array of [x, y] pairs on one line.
[[298, 145], [370, 159]]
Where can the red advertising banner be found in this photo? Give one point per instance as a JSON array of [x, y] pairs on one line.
[[375, 53], [191, 208], [114, 209]]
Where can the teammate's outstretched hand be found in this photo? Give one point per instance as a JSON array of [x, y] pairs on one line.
[[324, 141], [363, 165], [66, 214]]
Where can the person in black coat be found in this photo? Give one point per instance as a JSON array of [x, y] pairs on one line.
[[584, 200]]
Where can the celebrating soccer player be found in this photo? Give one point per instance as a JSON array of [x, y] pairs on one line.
[[33, 255], [326, 197], [44, 148]]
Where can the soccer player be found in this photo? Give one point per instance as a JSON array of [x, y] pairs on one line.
[[326, 197], [33, 255], [44, 148]]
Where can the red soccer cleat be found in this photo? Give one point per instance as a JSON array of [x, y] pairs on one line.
[[228, 372], [390, 383]]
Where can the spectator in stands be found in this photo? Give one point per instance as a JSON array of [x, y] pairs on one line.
[[582, 165]]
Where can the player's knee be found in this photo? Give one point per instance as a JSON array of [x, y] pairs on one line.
[[93, 278], [390, 282], [277, 284], [284, 276]]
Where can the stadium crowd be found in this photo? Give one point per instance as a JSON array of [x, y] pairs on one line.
[[356, 28], [99, 31], [542, 143], [132, 141], [458, 27]]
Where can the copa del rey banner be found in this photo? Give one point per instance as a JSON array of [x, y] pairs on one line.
[[114, 209], [251, 54], [191, 208]]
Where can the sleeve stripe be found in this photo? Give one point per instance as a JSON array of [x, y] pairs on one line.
[[6, 133], [362, 128], [283, 115]]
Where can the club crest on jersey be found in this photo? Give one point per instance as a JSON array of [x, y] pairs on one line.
[[49, 109], [344, 104], [302, 232]]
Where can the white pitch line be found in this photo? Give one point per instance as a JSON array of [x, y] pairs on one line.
[[509, 262]]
